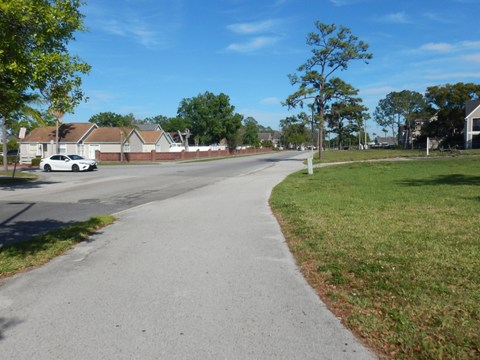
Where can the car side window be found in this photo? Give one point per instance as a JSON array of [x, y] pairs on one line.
[[55, 157]]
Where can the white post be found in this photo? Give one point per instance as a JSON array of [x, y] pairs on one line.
[[428, 145], [310, 165]]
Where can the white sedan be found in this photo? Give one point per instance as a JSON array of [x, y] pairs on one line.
[[67, 163]]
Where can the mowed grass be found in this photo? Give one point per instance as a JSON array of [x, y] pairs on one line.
[[394, 249], [41, 249], [372, 154], [6, 177]]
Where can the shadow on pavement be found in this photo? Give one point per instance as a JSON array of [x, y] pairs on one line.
[[25, 184], [11, 233], [5, 324]]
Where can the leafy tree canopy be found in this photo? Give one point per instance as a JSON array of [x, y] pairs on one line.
[[211, 117], [250, 133], [169, 124], [31, 33], [399, 108], [294, 129], [110, 119], [448, 102], [346, 117]]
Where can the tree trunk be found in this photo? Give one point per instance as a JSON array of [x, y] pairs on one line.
[[320, 134], [4, 142]]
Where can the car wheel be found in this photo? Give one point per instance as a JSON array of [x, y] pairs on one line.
[[47, 168], [75, 168]]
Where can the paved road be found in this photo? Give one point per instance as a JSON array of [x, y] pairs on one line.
[[58, 199], [202, 275]]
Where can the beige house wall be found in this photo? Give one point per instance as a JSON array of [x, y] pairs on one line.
[[468, 130], [136, 144]]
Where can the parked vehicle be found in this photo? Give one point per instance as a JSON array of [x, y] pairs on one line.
[[67, 163], [10, 153]]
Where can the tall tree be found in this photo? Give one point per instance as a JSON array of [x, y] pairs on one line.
[[333, 49], [62, 89], [250, 134], [346, 118], [29, 30], [448, 102], [400, 108], [169, 124], [294, 130], [212, 118], [111, 119]]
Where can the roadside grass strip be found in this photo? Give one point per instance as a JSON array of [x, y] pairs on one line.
[[393, 248], [20, 177], [373, 154], [41, 249]]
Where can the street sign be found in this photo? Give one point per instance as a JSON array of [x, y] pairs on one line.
[[21, 135]]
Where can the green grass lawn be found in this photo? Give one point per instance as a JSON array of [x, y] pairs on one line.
[[394, 249], [371, 154], [6, 177], [41, 249]]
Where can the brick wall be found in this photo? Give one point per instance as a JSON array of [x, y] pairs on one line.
[[172, 156]]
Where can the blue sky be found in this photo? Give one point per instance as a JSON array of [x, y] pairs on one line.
[[148, 55]]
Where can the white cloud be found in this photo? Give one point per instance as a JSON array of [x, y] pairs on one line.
[[378, 90], [146, 37], [438, 47], [270, 101], [252, 45], [454, 75], [251, 28], [471, 44], [439, 18], [344, 2], [472, 58], [113, 27], [395, 18], [103, 95]]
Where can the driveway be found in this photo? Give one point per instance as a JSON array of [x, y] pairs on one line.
[[202, 275]]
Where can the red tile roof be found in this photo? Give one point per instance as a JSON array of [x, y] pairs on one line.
[[108, 135], [67, 133], [150, 136]]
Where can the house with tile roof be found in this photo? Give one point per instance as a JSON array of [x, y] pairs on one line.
[[155, 140], [41, 142], [86, 138], [472, 124], [117, 140]]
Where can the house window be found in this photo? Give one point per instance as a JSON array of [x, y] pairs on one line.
[[476, 124], [126, 147]]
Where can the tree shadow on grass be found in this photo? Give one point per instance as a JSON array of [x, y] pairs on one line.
[[12, 233], [451, 179], [17, 242]]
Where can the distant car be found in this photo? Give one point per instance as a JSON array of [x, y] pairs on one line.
[[67, 163], [10, 152]]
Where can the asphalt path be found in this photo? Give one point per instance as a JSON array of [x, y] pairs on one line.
[[202, 274], [61, 198]]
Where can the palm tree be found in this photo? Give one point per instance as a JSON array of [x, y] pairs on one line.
[[22, 110]]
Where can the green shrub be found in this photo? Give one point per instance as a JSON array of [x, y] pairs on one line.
[[36, 161]]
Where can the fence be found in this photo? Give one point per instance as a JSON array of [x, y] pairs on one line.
[[173, 156]]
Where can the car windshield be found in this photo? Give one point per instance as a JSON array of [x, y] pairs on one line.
[[75, 157]]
